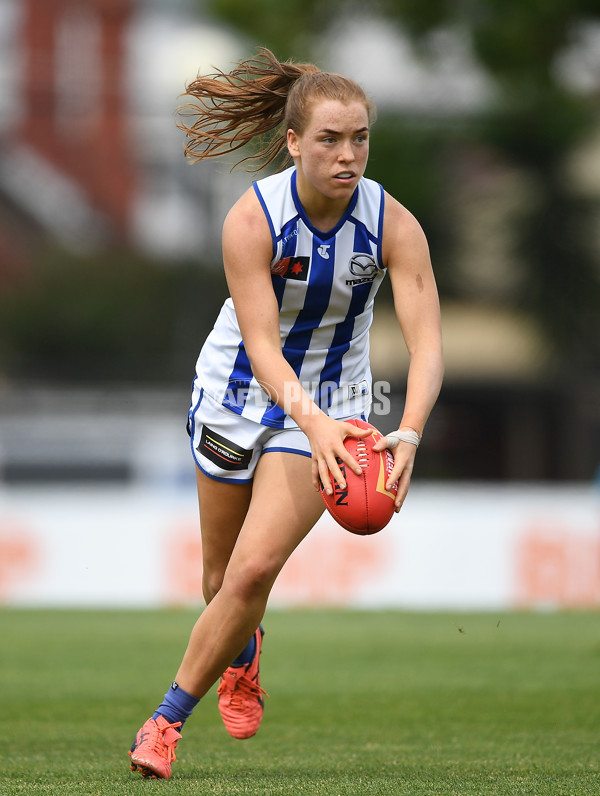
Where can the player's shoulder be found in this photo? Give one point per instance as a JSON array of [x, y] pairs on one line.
[[246, 232], [246, 216], [400, 226], [266, 198], [397, 214]]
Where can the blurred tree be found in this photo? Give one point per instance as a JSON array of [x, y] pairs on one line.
[[284, 26], [535, 123], [116, 318]]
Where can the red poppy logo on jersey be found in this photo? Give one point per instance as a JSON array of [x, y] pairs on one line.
[[292, 268]]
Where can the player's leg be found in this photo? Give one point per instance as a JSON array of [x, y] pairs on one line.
[[271, 531], [283, 509], [240, 693], [223, 508]]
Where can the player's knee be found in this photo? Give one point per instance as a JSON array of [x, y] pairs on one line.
[[211, 584], [256, 577]]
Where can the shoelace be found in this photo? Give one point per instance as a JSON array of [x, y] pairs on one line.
[[170, 742], [241, 687]]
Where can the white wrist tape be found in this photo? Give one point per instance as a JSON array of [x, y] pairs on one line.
[[402, 436]]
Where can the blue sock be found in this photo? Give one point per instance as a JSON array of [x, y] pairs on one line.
[[248, 652], [177, 705]]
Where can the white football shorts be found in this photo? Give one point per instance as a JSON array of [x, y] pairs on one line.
[[227, 446]]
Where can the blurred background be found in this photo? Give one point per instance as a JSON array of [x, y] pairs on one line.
[[488, 130]]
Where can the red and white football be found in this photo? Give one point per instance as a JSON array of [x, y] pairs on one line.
[[365, 506]]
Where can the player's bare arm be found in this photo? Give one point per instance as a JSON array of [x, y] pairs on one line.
[[406, 255]]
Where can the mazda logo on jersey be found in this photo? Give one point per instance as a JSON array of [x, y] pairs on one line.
[[292, 268], [364, 267]]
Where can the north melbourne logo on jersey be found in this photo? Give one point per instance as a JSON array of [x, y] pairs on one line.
[[292, 268], [363, 267]]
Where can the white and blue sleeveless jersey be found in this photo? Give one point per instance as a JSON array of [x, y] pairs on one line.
[[325, 284]]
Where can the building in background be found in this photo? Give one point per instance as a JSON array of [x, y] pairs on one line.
[[89, 150]]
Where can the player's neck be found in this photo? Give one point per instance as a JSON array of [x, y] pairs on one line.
[[322, 211]]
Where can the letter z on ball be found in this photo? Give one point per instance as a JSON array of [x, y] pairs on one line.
[[365, 506]]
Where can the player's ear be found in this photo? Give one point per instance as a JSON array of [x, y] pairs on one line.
[[292, 144]]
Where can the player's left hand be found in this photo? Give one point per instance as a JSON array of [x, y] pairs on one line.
[[404, 459]]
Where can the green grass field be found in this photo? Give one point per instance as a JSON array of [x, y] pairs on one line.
[[360, 703]]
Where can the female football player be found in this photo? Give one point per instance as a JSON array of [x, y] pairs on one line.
[[287, 362]]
